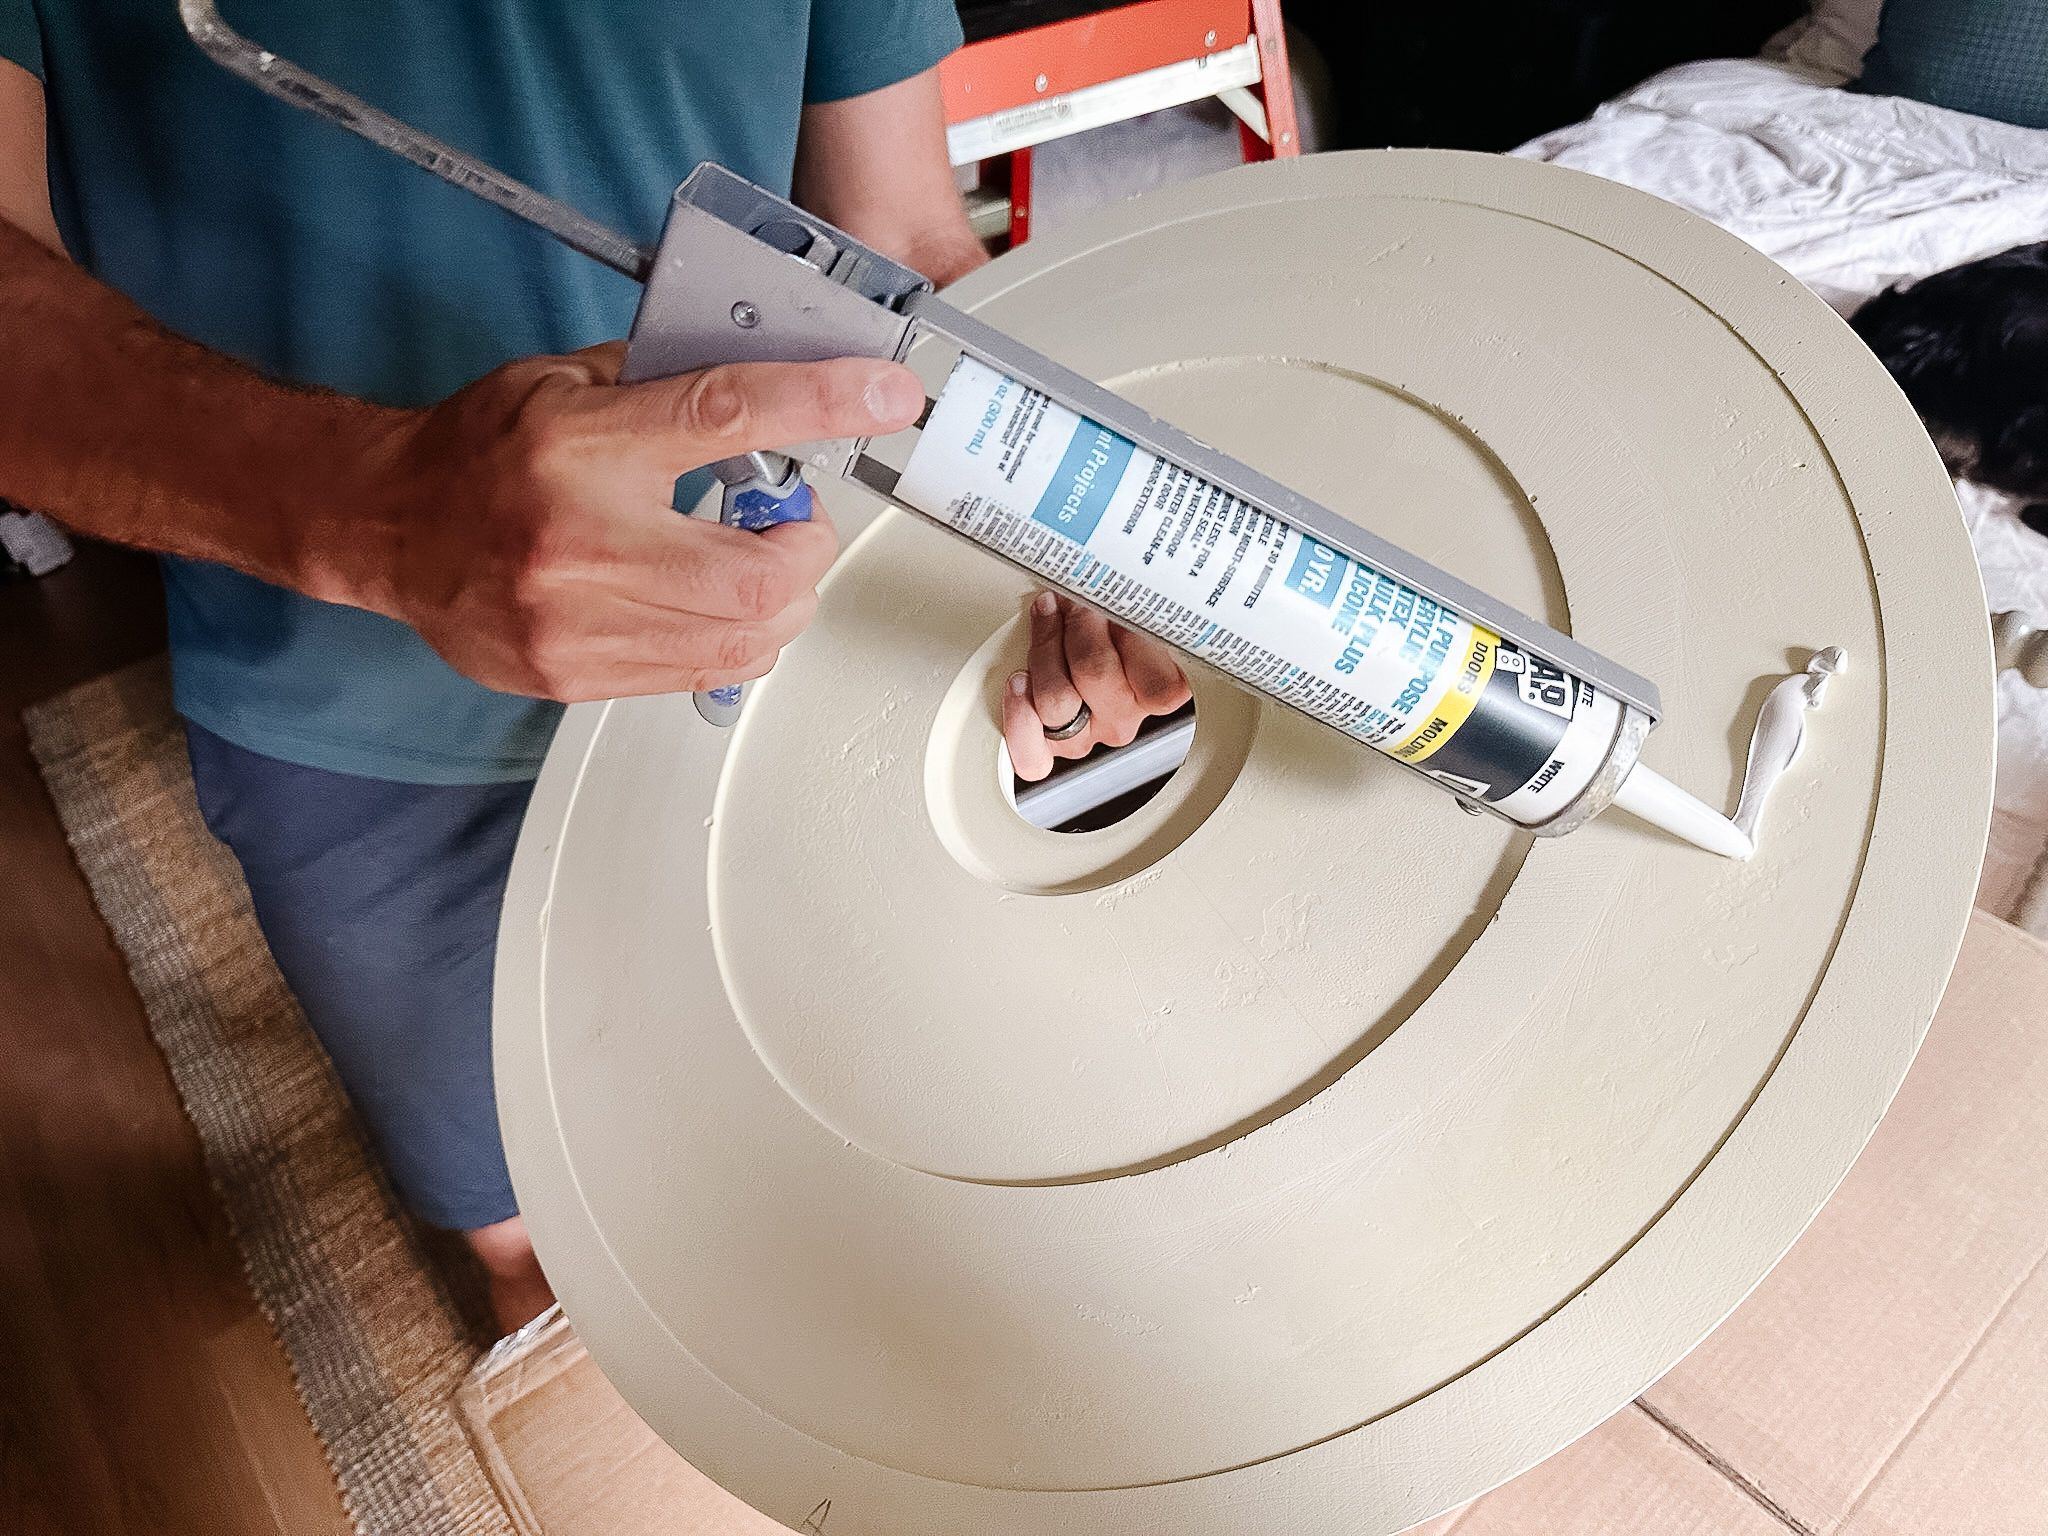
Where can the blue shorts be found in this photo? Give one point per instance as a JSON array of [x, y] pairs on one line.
[[380, 901]]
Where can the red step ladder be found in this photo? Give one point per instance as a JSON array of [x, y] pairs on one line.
[[1004, 95]]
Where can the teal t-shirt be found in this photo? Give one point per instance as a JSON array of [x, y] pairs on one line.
[[282, 240]]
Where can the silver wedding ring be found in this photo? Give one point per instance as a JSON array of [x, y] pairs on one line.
[[1072, 728]]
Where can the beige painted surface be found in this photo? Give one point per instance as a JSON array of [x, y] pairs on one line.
[[1445, 1144], [1886, 1378]]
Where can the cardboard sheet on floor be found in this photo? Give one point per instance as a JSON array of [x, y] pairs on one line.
[[569, 1458], [1890, 1377]]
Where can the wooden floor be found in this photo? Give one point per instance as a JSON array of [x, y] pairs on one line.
[[140, 1388]]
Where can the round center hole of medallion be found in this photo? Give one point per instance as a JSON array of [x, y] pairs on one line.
[[952, 989], [1096, 821]]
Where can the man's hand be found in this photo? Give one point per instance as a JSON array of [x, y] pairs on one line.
[[523, 526], [1078, 657]]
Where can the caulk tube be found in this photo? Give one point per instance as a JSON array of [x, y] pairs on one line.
[[1163, 550]]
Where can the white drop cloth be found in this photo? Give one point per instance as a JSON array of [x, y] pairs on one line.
[[1849, 193]]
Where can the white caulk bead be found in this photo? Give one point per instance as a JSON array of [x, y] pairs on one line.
[[1780, 733]]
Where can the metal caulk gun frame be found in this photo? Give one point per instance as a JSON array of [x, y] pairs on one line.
[[742, 275]]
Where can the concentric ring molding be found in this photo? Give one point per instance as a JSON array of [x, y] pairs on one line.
[[1726, 479]]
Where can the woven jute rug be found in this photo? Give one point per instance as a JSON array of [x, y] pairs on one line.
[[378, 1337]]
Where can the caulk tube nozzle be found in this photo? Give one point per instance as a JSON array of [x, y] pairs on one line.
[[1661, 803]]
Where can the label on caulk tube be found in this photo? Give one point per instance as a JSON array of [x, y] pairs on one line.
[[1165, 551]]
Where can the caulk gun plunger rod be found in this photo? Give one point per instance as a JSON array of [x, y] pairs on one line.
[[290, 84]]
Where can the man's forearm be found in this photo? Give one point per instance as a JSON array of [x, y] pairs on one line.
[[122, 429]]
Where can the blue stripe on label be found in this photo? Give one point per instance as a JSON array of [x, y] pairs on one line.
[[1318, 572], [1094, 462]]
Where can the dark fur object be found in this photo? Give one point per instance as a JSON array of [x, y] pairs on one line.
[[1970, 348]]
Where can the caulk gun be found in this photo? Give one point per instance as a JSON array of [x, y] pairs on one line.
[[1086, 492]]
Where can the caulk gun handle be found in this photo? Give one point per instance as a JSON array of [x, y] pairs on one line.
[[761, 490]]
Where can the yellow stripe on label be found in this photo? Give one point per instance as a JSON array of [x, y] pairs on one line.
[[1458, 702]]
